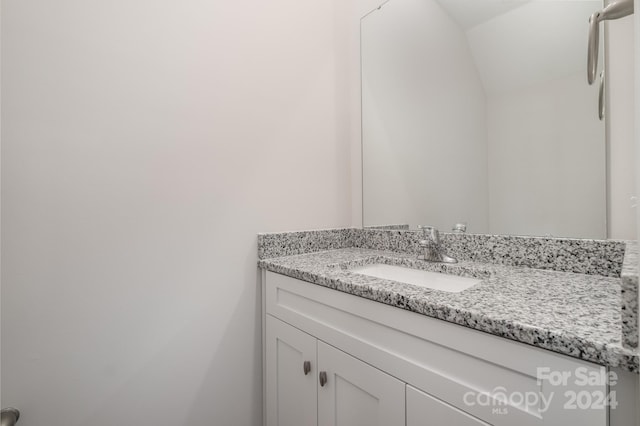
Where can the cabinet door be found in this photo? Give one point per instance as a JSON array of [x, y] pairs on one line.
[[291, 391], [355, 393], [425, 410]]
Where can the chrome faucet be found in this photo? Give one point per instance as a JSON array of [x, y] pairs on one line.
[[430, 242]]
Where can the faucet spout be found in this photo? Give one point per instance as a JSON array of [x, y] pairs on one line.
[[433, 251]]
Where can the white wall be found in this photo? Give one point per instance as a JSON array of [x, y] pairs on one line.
[[144, 143], [359, 9], [419, 119], [553, 181], [620, 128], [546, 149]]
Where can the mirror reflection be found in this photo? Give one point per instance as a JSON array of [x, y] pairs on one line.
[[479, 112]]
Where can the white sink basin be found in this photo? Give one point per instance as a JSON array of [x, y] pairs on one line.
[[434, 280]]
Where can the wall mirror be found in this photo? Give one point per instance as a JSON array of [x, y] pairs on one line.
[[479, 112]]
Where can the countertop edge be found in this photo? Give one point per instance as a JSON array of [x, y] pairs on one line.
[[564, 343]]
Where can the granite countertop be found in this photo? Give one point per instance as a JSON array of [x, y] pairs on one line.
[[573, 314]]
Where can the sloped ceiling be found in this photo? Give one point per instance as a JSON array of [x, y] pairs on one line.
[[469, 13], [517, 43]]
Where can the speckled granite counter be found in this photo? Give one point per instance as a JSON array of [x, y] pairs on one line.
[[573, 314], [629, 276]]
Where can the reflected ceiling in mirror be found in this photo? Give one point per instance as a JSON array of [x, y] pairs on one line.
[[479, 112]]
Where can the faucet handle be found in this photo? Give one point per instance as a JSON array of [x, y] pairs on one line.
[[459, 228]]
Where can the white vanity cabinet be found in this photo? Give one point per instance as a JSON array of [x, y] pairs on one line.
[[312, 383], [387, 366]]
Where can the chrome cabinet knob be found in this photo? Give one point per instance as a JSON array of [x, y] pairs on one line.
[[323, 378]]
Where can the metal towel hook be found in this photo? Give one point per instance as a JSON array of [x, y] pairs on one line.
[[615, 10], [9, 416]]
